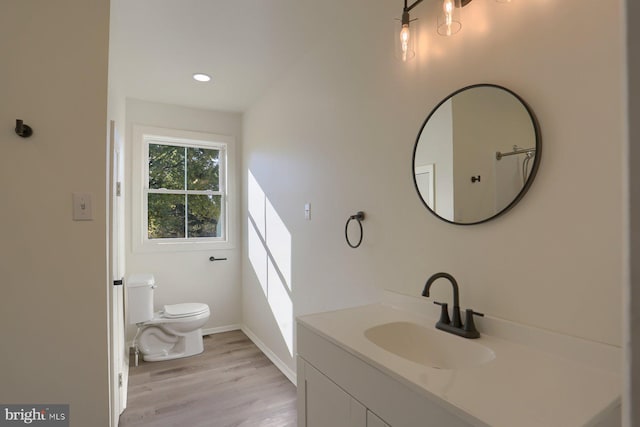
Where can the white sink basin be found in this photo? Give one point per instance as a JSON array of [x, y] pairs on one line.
[[429, 347], [514, 375]]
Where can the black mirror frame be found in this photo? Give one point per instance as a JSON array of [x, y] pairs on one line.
[[534, 167]]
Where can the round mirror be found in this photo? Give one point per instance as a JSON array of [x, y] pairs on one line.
[[476, 154]]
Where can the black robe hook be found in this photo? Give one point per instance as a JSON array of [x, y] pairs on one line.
[[23, 130]]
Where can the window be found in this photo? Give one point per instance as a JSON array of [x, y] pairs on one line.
[[183, 189]]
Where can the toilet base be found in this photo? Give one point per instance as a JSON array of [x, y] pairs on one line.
[[157, 345], [168, 356]]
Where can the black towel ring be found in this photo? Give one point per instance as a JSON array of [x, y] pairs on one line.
[[359, 216]]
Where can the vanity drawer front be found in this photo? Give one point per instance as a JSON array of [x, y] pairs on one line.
[[326, 404]]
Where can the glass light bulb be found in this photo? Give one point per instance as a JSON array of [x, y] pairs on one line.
[[448, 6], [449, 21], [405, 36]]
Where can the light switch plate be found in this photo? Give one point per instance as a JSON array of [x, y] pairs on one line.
[[82, 207]]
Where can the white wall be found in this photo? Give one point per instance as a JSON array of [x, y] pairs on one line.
[[188, 276], [338, 131], [53, 308]]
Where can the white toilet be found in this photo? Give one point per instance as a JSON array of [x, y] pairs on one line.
[[171, 333]]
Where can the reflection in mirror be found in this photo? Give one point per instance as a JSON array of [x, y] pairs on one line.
[[476, 154]]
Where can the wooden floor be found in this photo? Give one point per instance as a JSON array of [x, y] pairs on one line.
[[231, 384]]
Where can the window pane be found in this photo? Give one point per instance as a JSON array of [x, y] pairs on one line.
[[203, 167], [166, 216], [166, 167], [204, 216]]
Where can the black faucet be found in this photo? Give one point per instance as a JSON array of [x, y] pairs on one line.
[[454, 326]]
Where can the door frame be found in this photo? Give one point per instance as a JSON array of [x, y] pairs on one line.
[[118, 354]]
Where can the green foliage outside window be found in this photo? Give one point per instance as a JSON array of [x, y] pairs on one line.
[[183, 170]]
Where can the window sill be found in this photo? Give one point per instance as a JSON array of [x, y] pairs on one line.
[[181, 246]]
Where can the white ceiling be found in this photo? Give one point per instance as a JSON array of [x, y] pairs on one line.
[[245, 45]]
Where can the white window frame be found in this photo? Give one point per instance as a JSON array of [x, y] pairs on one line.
[[142, 137]]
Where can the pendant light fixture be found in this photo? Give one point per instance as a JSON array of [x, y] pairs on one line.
[[449, 22], [405, 37]]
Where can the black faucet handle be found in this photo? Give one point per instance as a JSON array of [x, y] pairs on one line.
[[469, 325], [444, 313]]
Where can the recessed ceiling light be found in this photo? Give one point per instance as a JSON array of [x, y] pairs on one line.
[[201, 77]]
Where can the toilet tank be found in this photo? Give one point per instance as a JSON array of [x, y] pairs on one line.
[[140, 297]]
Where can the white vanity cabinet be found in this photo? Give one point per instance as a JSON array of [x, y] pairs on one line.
[[337, 389], [351, 375]]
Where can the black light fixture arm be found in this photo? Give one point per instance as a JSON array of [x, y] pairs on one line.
[[405, 12], [407, 8]]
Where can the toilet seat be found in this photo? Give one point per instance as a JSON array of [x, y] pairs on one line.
[[176, 311]]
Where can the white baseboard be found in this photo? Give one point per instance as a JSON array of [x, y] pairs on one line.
[[288, 372], [220, 329]]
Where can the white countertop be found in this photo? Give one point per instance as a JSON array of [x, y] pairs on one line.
[[523, 386]]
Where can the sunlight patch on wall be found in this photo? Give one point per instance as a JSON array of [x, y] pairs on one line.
[[256, 203], [281, 305], [257, 256], [279, 242], [269, 249]]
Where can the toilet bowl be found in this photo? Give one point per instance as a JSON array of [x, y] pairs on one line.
[[171, 333]]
